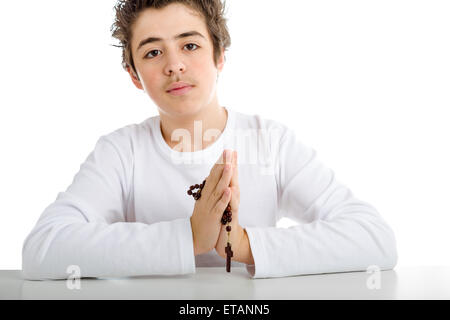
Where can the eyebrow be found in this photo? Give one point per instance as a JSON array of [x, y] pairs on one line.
[[180, 36]]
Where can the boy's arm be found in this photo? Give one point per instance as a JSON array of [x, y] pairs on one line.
[[337, 232], [86, 226]]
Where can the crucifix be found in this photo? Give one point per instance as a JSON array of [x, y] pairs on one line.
[[229, 256]]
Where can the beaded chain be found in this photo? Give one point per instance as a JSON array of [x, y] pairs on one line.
[[226, 219]]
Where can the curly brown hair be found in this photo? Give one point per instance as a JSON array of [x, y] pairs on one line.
[[127, 11]]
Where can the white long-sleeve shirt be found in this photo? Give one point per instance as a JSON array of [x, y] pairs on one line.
[[127, 211]]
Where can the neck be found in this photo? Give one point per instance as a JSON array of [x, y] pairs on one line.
[[196, 131]]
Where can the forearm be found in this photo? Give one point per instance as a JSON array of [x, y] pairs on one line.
[[113, 250]]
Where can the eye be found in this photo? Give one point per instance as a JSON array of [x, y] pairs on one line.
[[191, 44], [149, 55]]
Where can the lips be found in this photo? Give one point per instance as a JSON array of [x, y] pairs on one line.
[[176, 89], [178, 85], [180, 91]]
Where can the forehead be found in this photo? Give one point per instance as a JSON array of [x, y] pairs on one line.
[[167, 22]]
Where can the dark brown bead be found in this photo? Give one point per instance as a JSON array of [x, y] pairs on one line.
[[229, 219], [228, 208], [199, 187], [228, 228]]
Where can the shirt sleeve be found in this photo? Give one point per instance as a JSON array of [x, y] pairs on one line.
[[335, 233], [86, 227]]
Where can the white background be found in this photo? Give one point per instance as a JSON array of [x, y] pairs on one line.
[[365, 83]]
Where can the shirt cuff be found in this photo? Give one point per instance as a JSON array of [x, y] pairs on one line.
[[259, 268], [186, 245]]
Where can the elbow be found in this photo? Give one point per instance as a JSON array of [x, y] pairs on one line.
[[30, 273], [389, 252], [34, 269], [40, 260], [33, 264], [379, 245], [393, 256], [30, 266]]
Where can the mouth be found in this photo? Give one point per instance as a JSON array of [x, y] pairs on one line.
[[180, 91]]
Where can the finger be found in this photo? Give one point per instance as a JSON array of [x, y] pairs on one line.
[[215, 173], [235, 178], [234, 201], [223, 183], [221, 205]]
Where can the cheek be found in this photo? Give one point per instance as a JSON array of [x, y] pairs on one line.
[[153, 85], [150, 81], [204, 72]]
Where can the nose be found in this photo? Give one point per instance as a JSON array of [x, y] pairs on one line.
[[174, 65], [180, 70]]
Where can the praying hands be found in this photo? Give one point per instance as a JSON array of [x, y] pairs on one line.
[[220, 193]]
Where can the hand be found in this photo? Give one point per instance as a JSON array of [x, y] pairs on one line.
[[237, 233], [208, 210]]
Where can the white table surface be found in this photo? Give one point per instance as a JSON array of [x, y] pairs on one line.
[[426, 282]]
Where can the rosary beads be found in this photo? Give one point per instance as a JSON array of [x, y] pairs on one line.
[[226, 219]]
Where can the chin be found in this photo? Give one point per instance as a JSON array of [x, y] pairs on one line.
[[183, 108]]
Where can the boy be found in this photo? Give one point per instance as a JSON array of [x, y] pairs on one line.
[[127, 212]]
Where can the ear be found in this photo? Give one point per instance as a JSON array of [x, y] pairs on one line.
[[135, 79], [221, 61]]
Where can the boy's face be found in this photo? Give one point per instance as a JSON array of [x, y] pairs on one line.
[[188, 59]]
